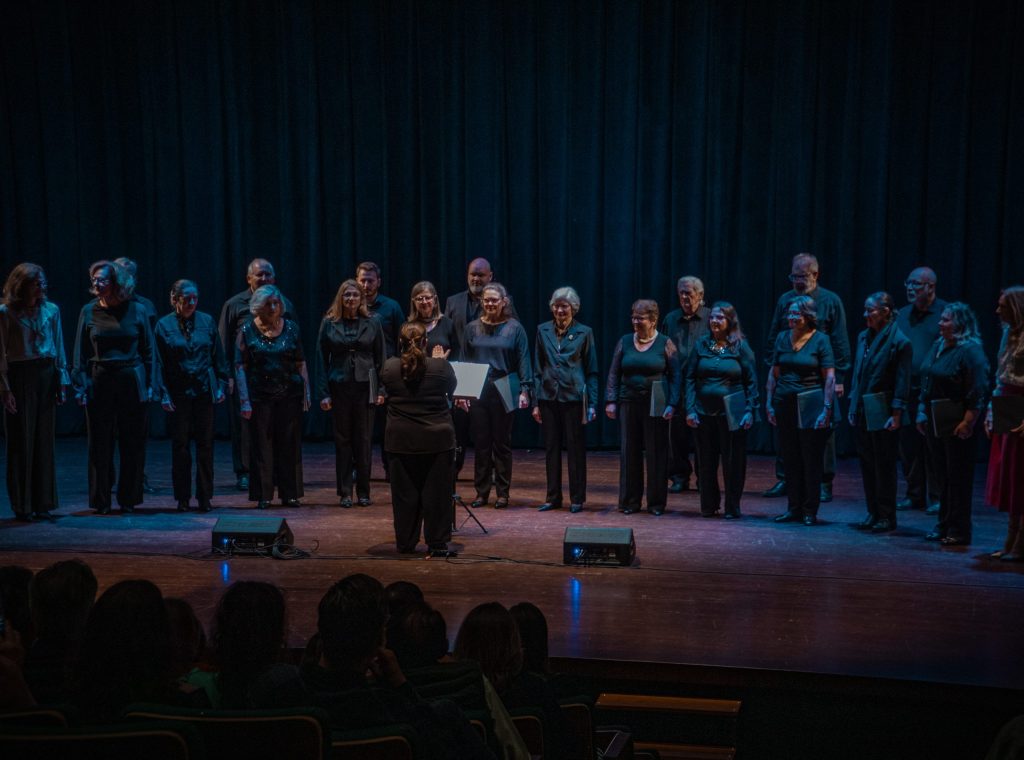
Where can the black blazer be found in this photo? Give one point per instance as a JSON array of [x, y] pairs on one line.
[[566, 370], [341, 361], [461, 311], [884, 366]]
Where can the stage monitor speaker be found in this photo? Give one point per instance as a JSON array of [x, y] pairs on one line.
[[250, 535], [598, 546]]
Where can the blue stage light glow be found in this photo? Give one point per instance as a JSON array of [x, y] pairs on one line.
[[225, 570]]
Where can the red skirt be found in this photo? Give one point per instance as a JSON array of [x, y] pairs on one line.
[[1004, 486]]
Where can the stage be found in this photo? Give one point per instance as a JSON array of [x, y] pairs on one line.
[[746, 594]]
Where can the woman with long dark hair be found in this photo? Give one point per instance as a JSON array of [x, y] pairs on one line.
[[114, 376], [33, 380], [349, 357], [424, 308], [194, 374], [420, 440]]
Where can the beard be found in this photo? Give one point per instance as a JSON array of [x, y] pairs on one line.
[[476, 290]]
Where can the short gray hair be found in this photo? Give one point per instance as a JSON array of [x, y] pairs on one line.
[[261, 295], [689, 279], [566, 293]]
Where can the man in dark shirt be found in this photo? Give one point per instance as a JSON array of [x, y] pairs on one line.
[[387, 310], [832, 322], [919, 321], [233, 315], [684, 327]]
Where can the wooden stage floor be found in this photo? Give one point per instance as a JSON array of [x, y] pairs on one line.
[[742, 594]]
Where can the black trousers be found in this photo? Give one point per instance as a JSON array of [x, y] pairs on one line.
[[953, 460], [923, 486], [828, 462], [716, 443], [191, 420], [643, 438], [803, 454], [421, 495], [562, 423], [878, 455], [683, 443], [115, 413], [239, 437], [352, 417], [275, 445], [31, 473], [463, 439], [491, 427]]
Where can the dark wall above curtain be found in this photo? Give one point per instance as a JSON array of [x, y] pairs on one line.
[[613, 146]]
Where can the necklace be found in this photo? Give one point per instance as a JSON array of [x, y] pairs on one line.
[[717, 348], [645, 341]]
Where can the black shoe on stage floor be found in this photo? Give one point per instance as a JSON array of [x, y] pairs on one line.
[[933, 509], [825, 494], [883, 526], [548, 506], [787, 516], [866, 524], [574, 508], [777, 490], [904, 504], [242, 483]]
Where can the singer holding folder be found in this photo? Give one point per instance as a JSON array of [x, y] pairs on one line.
[[878, 400], [499, 340], [644, 383], [721, 399], [954, 387], [800, 392]]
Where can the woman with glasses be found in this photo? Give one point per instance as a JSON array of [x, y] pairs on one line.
[[954, 388], [194, 375], [349, 358], [802, 363], [33, 380], [499, 341], [425, 310], [645, 365], [114, 377]]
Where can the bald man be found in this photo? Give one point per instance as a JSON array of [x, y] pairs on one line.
[[919, 321]]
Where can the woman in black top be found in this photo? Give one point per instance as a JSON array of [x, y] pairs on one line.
[[883, 366], [420, 439], [194, 374], [273, 392], [565, 373], [721, 364], [425, 310], [33, 380], [349, 357], [114, 377], [803, 364], [956, 371], [645, 363], [498, 340]]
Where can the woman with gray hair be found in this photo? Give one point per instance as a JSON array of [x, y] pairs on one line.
[[565, 396], [114, 376], [954, 388], [273, 391]]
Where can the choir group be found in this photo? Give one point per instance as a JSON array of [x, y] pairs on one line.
[[916, 389]]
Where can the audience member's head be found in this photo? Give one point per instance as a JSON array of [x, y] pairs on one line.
[[126, 651], [248, 636], [351, 620], [14, 584], [418, 635], [533, 632], [60, 598], [188, 639], [401, 594], [489, 636]]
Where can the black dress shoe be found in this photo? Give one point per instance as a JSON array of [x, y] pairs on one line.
[[183, 505], [825, 493], [479, 501], [679, 485], [346, 503], [656, 511], [262, 504], [128, 509], [884, 525], [866, 524], [904, 504], [442, 553], [23, 517], [709, 514], [501, 504], [205, 505], [787, 516], [777, 490], [933, 536], [933, 509], [44, 515], [1011, 557], [548, 506], [242, 484], [102, 510], [956, 541], [628, 510], [291, 503], [810, 520], [574, 508], [364, 501], [733, 514]]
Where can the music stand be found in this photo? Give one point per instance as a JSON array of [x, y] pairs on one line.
[[470, 379]]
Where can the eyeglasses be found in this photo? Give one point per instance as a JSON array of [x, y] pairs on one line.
[[100, 280], [491, 300], [802, 277], [423, 299], [915, 284]]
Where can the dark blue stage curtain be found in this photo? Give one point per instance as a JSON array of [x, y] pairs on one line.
[[613, 146]]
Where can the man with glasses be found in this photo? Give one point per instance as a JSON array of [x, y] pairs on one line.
[[832, 322], [919, 321], [684, 326]]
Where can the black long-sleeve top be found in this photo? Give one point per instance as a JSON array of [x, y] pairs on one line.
[[633, 372], [192, 360], [271, 364], [115, 336], [958, 373], [711, 375], [883, 365], [462, 308], [686, 331], [831, 322], [443, 335], [504, 347], [235, 313], [348, 351], [391, 319], [801, 370], [565, 366], [921, 326], [419, 414]]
